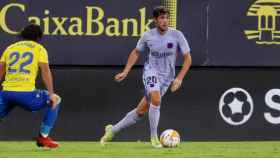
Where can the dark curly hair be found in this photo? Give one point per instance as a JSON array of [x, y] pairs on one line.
[[32, 32], [160, 10]]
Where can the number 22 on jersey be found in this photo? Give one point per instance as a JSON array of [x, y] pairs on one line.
[[17, 62]]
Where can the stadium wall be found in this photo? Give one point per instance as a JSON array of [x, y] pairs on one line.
[[91, 99], [221, 33], [233, 58]]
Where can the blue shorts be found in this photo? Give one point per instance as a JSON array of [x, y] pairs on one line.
[[30, 101]]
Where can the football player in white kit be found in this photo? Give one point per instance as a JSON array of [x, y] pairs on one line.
[[162, 43]]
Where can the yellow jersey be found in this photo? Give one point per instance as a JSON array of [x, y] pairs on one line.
[[22, 63]]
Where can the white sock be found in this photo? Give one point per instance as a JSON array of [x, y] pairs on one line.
[[154, 115], [131, 118]]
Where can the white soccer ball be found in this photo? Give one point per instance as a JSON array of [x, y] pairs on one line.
[[170, 138]]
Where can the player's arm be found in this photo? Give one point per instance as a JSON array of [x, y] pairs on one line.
[[47, 77], [186, 66], [184, 48], [2, 70], [3, 64], [181, 75], [48, 81], [132, 59]]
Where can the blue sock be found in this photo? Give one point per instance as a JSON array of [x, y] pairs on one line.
[[49, 120], [45, 130]]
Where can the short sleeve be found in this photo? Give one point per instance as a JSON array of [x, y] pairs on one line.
[[43, 55], [142, 44], [183, 44]]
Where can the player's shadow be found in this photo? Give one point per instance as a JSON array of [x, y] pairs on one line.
[[25, 150]]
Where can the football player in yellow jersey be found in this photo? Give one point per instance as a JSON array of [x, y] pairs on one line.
[[19, 66]]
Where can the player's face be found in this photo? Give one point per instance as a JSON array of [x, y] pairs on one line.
[[162, 22]]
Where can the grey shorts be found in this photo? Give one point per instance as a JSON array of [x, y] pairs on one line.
[[155, 82]]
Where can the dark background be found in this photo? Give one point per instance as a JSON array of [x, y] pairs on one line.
[[84, 68], [214, 29], [227, 43], [91, 99], [103, 50]]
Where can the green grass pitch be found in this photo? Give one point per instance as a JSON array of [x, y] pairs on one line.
[[269, 149]]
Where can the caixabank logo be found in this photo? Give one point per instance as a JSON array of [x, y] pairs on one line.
[[94, 21], [267, 13]]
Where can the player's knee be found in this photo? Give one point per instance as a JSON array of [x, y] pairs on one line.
[[156, 101], [155, 98], [141, 112]]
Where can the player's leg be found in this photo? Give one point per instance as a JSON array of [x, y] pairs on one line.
[[35, 101], [154, 116], [50, 116], [5, 108], [153, 93], [142, 107], [131, 118], [154, 111], [48, 122]]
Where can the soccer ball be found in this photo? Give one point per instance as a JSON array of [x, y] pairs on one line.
[[170, 138]]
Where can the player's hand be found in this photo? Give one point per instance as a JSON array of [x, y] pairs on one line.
[[120, 76], [54, 100], [176, 84]]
